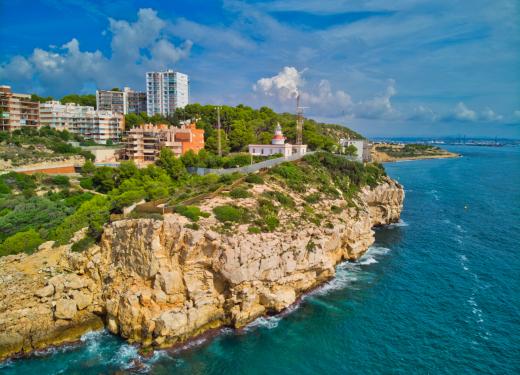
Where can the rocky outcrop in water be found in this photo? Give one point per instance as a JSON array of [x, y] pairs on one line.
[[157, 282]]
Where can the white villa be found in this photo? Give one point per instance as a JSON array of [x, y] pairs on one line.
[[277, 146]]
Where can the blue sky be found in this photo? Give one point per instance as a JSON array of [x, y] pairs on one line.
[[385, 68]]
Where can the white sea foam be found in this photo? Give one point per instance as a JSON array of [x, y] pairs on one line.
[[399, 224], [268, 322], [369, 260], [349, 272], [125, 356]]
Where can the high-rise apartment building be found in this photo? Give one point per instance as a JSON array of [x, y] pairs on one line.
[[17, 111], [126, 101], [166, 91], [98, 126]]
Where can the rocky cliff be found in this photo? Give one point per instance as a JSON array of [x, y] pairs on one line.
[[158, 282]]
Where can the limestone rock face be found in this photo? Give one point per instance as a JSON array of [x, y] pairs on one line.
[[165, 283], [157, 282], [40, 301]]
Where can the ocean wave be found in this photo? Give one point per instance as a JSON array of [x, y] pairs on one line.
[[349, 272], [368, 261], [268, 322], [399, 224]]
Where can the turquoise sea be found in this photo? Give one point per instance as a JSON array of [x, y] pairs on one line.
[[439, 293]]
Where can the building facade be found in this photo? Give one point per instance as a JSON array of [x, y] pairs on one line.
[[361, 145], [166, 91], [17, 111], [277, 146], [126, 101], [143, 144], [99, 126]]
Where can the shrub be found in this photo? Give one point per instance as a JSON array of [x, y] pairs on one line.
[[313, 198], [229, 178], [62, 181], [92, 214], [227, 213], [295, 177], [191, 212], [83, 244], [126, 199], [76, 199], [254, 178], [254, 229], [19, 181], [336, 209], [26, 242], [311, 246], [284, 199], [193, 226], [4, 189], [271, 222], [38, 213], [239, 193], [86, 183]]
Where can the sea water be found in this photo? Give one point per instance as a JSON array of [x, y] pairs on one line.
[[439, 292]]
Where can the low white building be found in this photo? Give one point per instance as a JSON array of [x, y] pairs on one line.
[[277, 146], [361, 145]]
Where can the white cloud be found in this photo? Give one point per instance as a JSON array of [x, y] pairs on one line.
[[489, 115], [285, 85], [463, 113], [380, 106], [322, 99], [135, 48], [422, 113]]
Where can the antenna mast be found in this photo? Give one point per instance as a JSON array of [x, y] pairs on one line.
[[299, 121], [218, 132]]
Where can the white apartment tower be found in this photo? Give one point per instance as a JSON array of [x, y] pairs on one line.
[[166, 91]]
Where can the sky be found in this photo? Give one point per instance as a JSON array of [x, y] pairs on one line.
[[384, 68]]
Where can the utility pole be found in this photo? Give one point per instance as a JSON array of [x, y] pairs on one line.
[[299, 121], [218, 132]]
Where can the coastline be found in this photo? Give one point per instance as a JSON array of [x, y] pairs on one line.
[[422, 157], [390, 159], [193, 342]]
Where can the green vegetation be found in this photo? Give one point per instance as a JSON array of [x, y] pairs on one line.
[[193, 213], [93, 214], [238, 193], [284, 199], [242, 125], [410, 150], [254, 229], [254, 178], [313, 198], [89, 99], [26, 241], [29, 145], [28, 219], [228, 213]]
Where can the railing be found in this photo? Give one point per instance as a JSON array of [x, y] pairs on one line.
[[247, 168]]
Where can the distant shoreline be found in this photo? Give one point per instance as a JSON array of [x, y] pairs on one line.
[[385, 153], [424, 157]]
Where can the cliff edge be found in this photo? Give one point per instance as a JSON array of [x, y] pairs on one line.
[[160, 282]]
